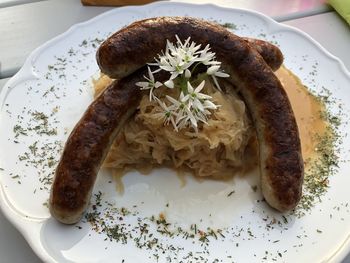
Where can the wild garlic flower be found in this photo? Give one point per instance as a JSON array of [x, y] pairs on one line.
[[149, 84], [192, 108], [180, 60], [214, 72], [168, 114], [194, 96], [206, 57]]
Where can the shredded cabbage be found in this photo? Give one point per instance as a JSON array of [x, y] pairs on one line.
[[216, 151]]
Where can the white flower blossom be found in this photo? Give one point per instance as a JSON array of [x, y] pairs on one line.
[[180, 106], [193, 107], [168, 113], [173, 61], [188, 52], [211, 70], [200, 102], [214, 72], [195, 93], [180, 59], [207, 57], [207, 104], [149, 84], [188, 120]]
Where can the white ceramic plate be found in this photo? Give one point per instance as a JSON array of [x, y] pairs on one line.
[[55, 80]]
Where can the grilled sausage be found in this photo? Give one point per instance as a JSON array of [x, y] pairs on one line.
[[281, 163], [88, 145], [269, 52]]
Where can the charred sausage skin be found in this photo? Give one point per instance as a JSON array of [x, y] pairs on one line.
[[88, 145], [271, 54]]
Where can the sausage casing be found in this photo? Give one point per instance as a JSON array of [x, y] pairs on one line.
[[271, 54], [88, 145]]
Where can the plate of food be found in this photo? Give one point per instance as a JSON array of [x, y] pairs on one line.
[[174, 132]]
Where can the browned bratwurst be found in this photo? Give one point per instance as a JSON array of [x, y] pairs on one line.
[[269, 52], [88, 145], [281, 163]]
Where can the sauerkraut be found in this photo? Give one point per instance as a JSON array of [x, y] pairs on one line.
[[216, 151]]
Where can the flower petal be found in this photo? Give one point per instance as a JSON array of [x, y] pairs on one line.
[[213, 69], [169, 83], [174, 75], [187, 74], [185, 98], [199, 87], [209, 105], [189, 87], [158, 84], [142, 84], [221, 74], [216, 83], [203, 96], [151, 77], [172, 100]]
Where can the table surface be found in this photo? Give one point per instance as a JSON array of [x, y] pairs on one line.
[[34, 22]]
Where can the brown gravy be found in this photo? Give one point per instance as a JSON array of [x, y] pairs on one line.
[[307, 110]]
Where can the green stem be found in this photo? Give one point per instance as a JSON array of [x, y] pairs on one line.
[[183, 84]]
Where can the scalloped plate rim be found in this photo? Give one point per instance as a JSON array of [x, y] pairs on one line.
[[21, 223]]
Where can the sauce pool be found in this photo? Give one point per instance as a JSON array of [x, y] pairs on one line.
[[307, 110]]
